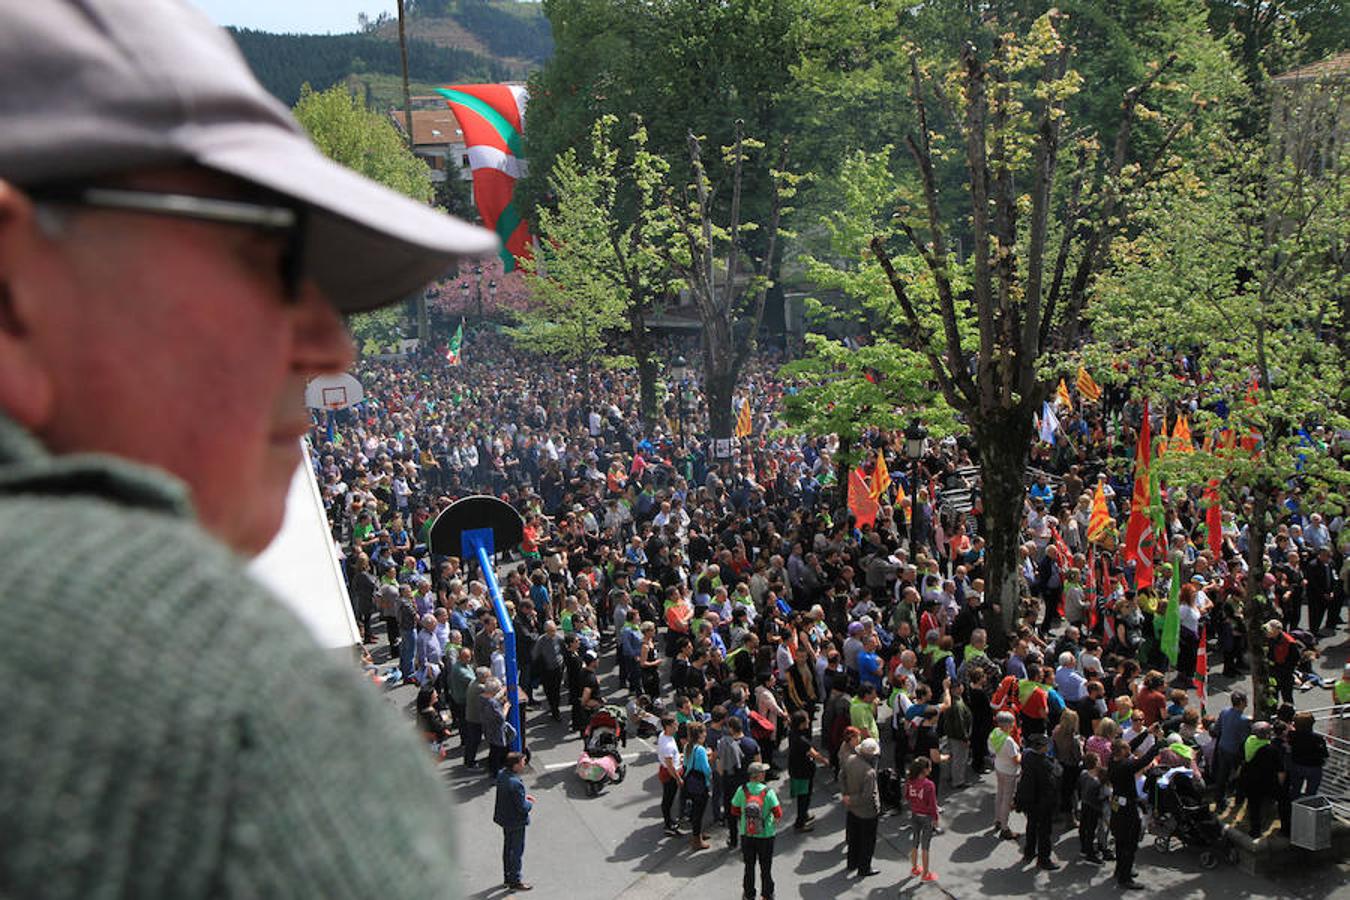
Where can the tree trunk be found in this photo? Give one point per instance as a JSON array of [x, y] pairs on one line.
[[717, 390], [646, 366], [1251, 612], [841, 472], [719, 380], [641, 344], [1003, 442]]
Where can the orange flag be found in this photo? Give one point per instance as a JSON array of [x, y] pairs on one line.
[[1087, 388], [1100, 519], [881, 478], [1062, 395], [743, 425], [1181, 437]]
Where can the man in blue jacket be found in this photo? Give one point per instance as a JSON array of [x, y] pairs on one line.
[[513, 815]]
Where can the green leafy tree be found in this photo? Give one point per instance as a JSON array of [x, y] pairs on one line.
[[1248, 242], [360, 139], [601, 271], [711, 259], [882, 385], [685, 66], [992, 330]]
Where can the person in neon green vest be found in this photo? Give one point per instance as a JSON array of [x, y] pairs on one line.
[[1262, 777], [1340, 691], [1007, 766], [1032, 702]]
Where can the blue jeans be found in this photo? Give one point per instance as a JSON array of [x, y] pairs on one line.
[[407, 647], [513, 853], [1304, 781]]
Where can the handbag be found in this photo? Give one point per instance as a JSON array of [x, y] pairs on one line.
[[695, 783]]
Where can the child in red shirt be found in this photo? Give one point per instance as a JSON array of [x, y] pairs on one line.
[[921, 795]]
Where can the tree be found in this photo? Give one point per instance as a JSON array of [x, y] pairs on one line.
[[601, 270], [709, 258], [854, 393], [847, 390], [349, 134], [1248, 242], [363, 140], [994, 348], [685, 66]]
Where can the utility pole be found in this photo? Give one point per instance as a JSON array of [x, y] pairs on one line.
[[423, 327]]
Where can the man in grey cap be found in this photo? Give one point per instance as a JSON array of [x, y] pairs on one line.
[[175, 261], [862, 800]]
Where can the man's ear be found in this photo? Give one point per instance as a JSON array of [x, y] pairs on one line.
[[26, 389]]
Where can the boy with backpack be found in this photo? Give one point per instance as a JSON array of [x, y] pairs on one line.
[[756, 807], [736, 752]]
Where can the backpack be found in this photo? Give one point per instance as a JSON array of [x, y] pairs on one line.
[[753, 812], [761, 727], [728, 755]]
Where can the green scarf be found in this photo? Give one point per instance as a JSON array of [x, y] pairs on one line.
[[971, 652], [1253, 746], [997, 738], [1025, 688]]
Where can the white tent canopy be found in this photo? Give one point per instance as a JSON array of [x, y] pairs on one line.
[[301, 565]]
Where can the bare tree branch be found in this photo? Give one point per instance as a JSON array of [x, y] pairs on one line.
[[1044, 159], [937, 259], [920, 339], [977, 166]]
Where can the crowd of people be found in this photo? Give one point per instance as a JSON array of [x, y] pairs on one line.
[[739, 610]]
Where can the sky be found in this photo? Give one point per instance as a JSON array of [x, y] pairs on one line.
[[297, 16]]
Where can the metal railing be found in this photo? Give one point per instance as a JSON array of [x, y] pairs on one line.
[[1333, 723]]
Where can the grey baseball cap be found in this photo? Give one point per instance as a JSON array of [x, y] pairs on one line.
[[95, 88]]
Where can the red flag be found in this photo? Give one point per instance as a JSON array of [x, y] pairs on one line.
[[1214, 519], [1201, 668], [1137, 531], [860, 501]]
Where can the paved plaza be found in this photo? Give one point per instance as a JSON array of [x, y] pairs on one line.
[[612, 845]]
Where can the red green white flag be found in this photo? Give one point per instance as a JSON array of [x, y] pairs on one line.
[[492, 120]]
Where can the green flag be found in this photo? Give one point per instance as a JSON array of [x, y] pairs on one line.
[[1171, 636], [452, 353]]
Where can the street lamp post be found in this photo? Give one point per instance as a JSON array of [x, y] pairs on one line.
[[679, 371], [915, 438], [464, 295], [492, 295], [478, 276]]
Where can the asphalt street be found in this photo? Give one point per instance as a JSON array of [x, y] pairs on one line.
[[612, 845]]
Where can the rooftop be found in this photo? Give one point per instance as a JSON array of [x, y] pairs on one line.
[[1336, 67], [430, 126]]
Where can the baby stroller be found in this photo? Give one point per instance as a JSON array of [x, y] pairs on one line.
[[1180, 815], [601, 762], [646, 713]]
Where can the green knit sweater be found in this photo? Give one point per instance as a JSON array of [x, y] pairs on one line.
[[170, 730]]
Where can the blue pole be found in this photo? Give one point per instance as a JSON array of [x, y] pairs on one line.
[[477, 544], [331, 415]]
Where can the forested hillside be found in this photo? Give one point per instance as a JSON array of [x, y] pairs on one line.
[[449, 41]]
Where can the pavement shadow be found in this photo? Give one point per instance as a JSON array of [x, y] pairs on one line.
[[820, 858], [648, 843], [829, 887], [469, 783], [975, 847]]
